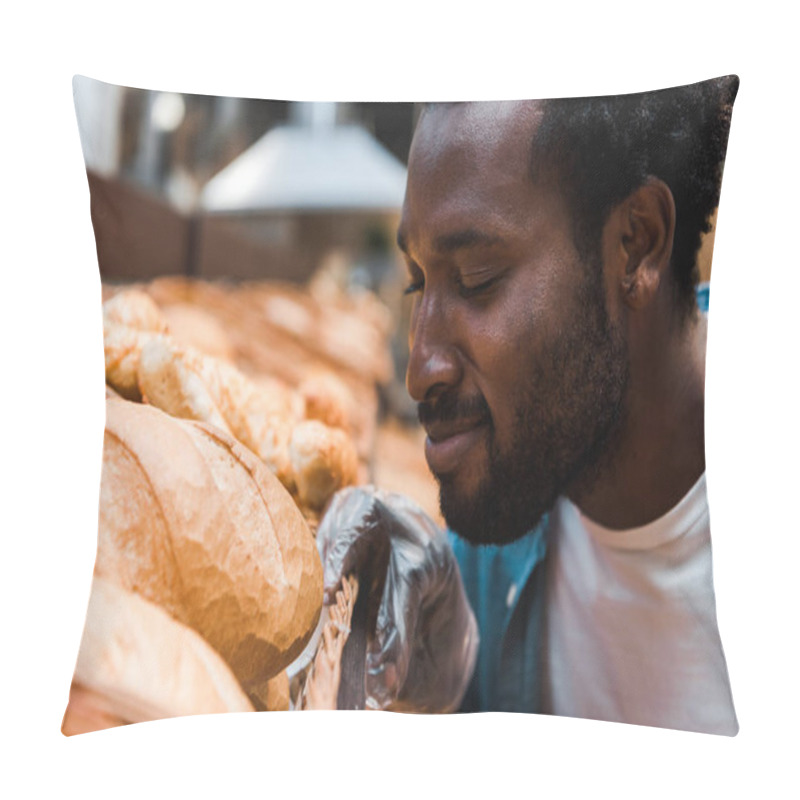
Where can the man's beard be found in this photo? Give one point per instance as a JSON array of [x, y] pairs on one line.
[[568, 415]]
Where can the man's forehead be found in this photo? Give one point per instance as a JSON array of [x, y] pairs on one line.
[[468, 169], [480, 126]]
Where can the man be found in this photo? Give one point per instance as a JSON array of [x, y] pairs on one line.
[[558, 360]]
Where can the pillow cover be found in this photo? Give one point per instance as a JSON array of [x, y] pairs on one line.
[[270, 534]]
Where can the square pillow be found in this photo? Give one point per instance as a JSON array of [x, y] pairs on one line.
[[270, 534]]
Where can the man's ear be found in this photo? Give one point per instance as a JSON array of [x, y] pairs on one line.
[[644, 228]]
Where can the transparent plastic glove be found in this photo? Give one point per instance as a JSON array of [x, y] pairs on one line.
[[421, 653]]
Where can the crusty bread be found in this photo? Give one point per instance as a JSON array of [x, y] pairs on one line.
[[191, 385], [137, 663], [324, 460], [130, 320], [133, 308], [177, 380], [191, 325], [193, 521], [272, 695], [328, 400], [259, 416], [121, 348]]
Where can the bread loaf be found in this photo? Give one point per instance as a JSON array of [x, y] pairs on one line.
[[328, 400], [324, 460], [130, 320], [259, 416], [136, 663], [188, 384], [122, 347], [133, 308], [180, 381], [272, 695], [195, 327], [196, 523]]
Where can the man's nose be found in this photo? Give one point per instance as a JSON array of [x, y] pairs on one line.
[[434, 365]]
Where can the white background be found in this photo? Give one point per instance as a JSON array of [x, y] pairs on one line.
[[52, 388]]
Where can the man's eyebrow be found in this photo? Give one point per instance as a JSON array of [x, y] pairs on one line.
[[448, 242], [469, 237]]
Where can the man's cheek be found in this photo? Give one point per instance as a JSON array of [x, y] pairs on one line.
[[501, 432]]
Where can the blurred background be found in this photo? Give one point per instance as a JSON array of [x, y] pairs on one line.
[[265, 230]]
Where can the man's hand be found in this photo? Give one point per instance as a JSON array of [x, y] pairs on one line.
[[422, 639]]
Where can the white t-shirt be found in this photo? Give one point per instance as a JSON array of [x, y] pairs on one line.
[[631, 629]]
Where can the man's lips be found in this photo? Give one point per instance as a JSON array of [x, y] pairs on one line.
[[449, 442]]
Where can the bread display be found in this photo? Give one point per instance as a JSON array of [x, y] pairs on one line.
[[137, 663], [234, 412], [193, 521], [291, 333], [308, 457], [144, 361]]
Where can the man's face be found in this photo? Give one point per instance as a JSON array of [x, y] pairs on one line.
[[517, 368]]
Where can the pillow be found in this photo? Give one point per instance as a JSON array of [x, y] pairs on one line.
[[551, 280]]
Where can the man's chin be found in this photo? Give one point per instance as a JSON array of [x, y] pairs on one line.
[[482, 518]]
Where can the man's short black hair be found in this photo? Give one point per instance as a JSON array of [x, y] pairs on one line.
[[601, 149]]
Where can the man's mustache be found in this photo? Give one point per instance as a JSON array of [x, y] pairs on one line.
[[450, 408]]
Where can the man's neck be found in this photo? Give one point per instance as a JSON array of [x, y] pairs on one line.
[[660, 451]]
